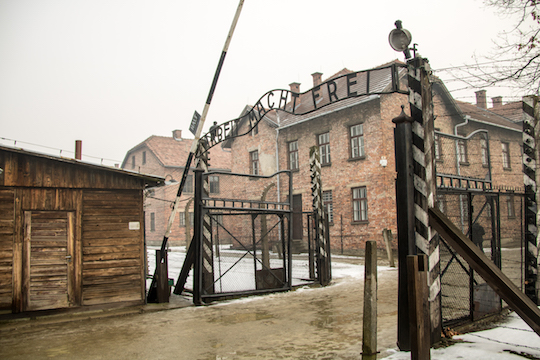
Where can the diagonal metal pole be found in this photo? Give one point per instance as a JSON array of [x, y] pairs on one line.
[[152, 291]]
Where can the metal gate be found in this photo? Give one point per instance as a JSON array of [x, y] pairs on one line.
[[492, 218], [242, 234]]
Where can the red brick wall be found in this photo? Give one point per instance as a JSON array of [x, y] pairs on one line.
[[342, 174]]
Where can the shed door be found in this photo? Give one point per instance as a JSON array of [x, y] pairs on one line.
[[48, 249]]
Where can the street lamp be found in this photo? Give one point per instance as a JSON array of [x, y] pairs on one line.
[[400, 39]]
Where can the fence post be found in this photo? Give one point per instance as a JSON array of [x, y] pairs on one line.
[[419, 305], [207, 284], [405, 220], [197, 241], [162, 274], [316, 190], [369, 328], [531, 109], [387, 236], [426, 239]]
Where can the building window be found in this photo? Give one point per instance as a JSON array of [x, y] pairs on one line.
[[293, 155], [214, 184], [324, 148], [437, 148], [462, 151], [328, 205], [182, 219], [188, 186], [254, 162], [484, 149], [133, 162], [191, 219], [505, 155], [356, 133], [359, 204], [510, 210], [144, 157], [152, 222]]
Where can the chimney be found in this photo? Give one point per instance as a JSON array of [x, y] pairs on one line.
[[177, 134], [316, 78], [295, 87], [497, 101], [481, 101], [78, 149]]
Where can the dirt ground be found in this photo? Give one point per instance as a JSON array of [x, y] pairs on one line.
[[309, 323]]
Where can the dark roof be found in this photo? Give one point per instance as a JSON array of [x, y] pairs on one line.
[[512, 111], [172, 152], [462, 109], [379, 81], [151, 180], [487, 116]]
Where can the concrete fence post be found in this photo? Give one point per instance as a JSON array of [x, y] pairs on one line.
[[369, 329]]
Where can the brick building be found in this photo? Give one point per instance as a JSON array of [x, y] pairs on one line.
[[166, 156], [356, 143]]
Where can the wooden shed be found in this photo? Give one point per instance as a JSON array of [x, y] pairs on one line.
[[71, 233]]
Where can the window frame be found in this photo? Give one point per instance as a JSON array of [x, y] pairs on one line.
[[213, 185], [324, 148], [254, 165], [437, 147], [361, 148], [152, 222], [362, 208], [484, 153], [462, 152], [291, 153], [188, 186], [182, 219], [510, 207], [505, 150], [328, 204]]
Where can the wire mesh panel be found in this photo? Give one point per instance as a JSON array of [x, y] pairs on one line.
[[465, 295]]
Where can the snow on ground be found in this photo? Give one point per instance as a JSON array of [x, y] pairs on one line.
[[239, 272], [513, 339]]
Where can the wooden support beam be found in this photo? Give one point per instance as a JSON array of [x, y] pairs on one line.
[[417, 268], [480, 263], [369, 328]]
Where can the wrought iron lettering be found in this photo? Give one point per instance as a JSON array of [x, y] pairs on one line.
[[357, 84]]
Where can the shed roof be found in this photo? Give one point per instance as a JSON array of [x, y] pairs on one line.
[[149, 180]]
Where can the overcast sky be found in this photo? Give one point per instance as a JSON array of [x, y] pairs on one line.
[[112, 73]]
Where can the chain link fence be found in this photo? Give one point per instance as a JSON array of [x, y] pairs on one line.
[[494, 222]]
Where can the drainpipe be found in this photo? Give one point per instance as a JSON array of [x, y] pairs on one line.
[[277, 158], [279, 175], [461, 209]]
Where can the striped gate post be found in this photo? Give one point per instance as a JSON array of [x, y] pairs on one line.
[[531, 110], [318, 208], [201, 163], [426, 239]]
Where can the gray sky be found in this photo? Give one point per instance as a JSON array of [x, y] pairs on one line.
[[112, 73]]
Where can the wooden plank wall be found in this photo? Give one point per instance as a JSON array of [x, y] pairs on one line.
[[112, 260], [31, 171], [7, 218]]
